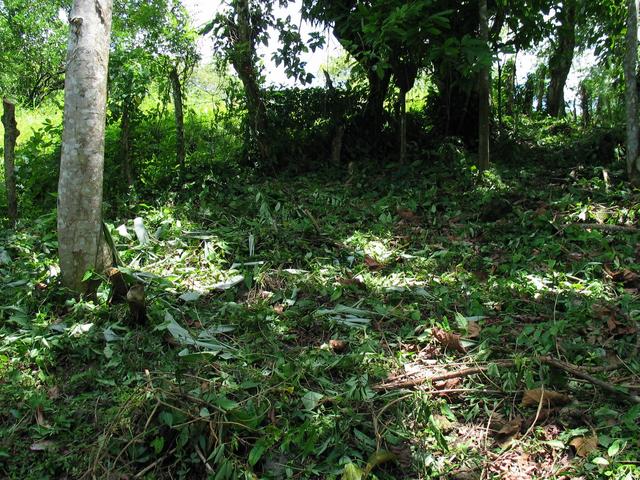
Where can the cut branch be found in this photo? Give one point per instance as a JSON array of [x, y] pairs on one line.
[[573, 370]]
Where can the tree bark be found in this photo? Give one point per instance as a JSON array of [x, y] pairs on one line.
[[178, 112], [510, 87], [499, 94], [585, 104], [561, 58], [403, 125], [11, 133], [243, 61], [373, 113], [484, 95], [542, 76], [80, 238], [630, 74]]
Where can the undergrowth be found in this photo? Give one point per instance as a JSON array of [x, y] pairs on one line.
[[285, 317]]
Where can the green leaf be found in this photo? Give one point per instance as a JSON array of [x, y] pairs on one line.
[[352, 472], [204, 412], [311, 400], [166, 418], [557, 444], [225, 403], [158, 444], [257, 451], [600, 461], [615, 447]]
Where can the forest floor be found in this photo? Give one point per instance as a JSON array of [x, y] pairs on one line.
[[404, 323]]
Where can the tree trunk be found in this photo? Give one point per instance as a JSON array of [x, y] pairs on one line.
[[80, 238], [178, 112], [499, 92], [11, 133], [243, 61], [542, 76], [374, 109], [403, 125], [561, 58], [527, 97], [510, 87], [630, 61], [585, 104], [484, 95], [125, 141]]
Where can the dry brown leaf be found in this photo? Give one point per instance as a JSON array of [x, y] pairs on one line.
[[449, 340], [473, 329], [448, 384], [53, 393], [372, 263], [549, 398], [40, 420], [585, 445], [338, 346], [510, 428], [408, 215], [350, 282], [624, 276]]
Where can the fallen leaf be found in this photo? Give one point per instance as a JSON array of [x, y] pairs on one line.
[[510, 428], [372, 263], [42, 446], [350, 282], [449, 340], [473, 329], [40, 420], [53, 393], [549, 398], [585, 445], [449, 384], [278, 308], [408, 215], [338, 346], [625, 276]]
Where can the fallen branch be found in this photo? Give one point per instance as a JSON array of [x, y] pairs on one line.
[[414, 382], [576, 372], [606, 227], [553, 362]]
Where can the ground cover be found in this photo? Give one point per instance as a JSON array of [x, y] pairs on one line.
[[398, 322]]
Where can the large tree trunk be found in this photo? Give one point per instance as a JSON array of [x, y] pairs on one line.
[[11, 133], [561, 58], [484, 95], [630, 61], [374, 109], [80, 238], [178, 112]]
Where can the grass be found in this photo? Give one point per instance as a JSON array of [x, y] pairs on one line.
[[341, 284]]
